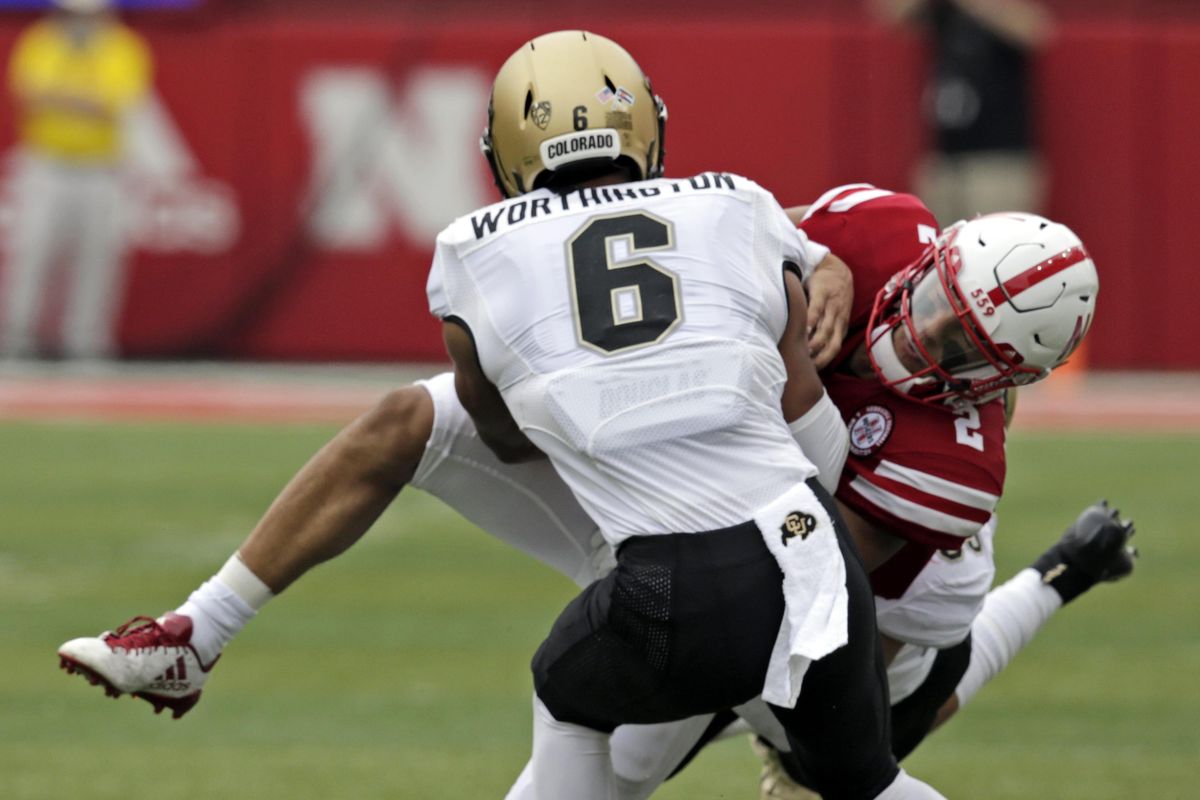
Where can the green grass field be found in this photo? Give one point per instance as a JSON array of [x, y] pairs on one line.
[[400, 670]]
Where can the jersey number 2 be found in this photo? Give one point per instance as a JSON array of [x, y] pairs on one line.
[[966, 428], [621, 298]]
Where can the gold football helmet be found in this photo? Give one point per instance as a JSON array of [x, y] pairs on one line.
[[566, 105]]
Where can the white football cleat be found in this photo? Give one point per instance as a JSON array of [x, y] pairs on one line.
[[147, 658]]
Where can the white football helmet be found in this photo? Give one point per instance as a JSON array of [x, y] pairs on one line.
[[996, 301]]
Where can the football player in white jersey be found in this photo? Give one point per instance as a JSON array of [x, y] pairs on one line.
[[334, 500], [647, 335], [423, 434], [681, 290]]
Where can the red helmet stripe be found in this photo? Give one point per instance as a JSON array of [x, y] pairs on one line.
[[1036, 274]]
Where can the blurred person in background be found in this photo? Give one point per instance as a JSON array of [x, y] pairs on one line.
[[74, 76], [979, 103]]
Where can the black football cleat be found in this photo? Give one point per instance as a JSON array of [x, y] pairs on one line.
[[1094, 549]]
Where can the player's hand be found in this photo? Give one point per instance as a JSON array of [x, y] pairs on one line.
[[830, 295]]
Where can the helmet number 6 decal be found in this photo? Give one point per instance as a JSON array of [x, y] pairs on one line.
[[621, 298]]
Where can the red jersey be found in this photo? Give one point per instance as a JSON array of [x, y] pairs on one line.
[[926, 473], [876, 232]]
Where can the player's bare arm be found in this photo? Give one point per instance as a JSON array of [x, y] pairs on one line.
[[336, 497], [813, 419], [803, 388], [482, 400]]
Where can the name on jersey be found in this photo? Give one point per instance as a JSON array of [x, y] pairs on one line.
[[616, 397], [495, 218]]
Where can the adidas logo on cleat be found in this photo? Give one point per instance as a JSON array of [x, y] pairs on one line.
[[174, 679], [170, 686]]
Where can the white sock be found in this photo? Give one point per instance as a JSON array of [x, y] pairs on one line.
[[1011, 615], [222, 606], [906, 787], [569, 761]]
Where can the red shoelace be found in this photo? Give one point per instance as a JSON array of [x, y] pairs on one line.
[[139, 632]]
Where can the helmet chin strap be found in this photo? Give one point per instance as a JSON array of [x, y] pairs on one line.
[[883, 353]]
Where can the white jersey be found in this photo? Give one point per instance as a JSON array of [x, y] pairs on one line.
[[633, 332]]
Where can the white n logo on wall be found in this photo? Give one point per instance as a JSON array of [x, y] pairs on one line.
[[414, 161]]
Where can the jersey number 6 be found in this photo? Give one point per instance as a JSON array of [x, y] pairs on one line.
[[622, 299]]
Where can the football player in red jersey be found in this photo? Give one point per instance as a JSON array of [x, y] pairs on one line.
[[991, 304], [963, 319]]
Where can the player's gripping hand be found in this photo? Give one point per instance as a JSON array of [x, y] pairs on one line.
[[830, 295]]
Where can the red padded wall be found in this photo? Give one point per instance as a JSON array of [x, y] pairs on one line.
[[797, 104]]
